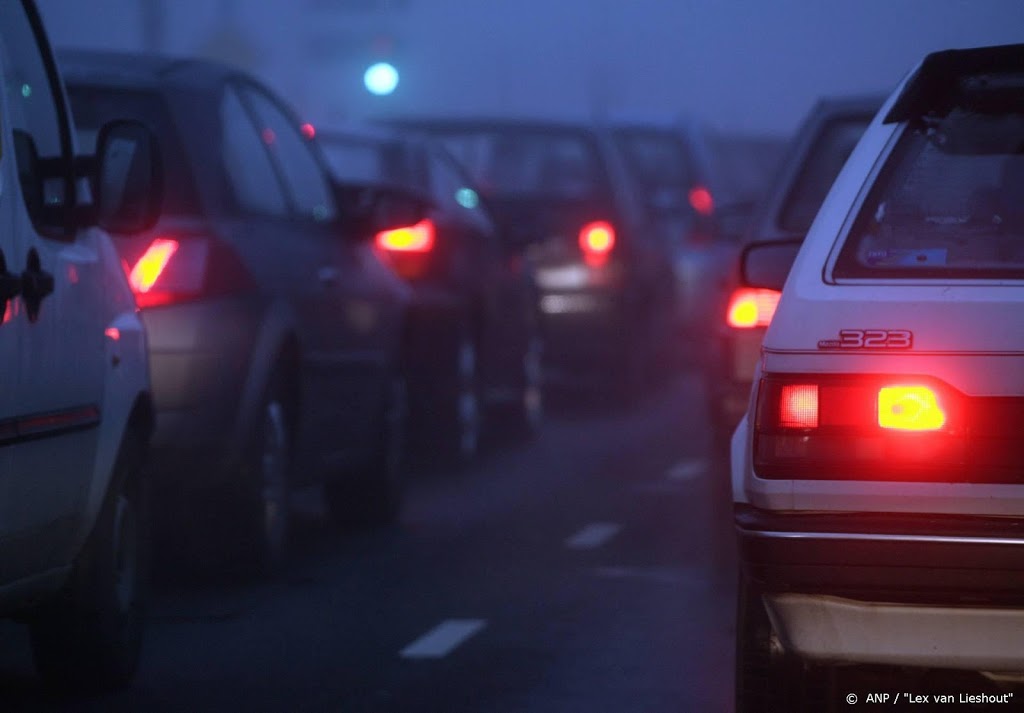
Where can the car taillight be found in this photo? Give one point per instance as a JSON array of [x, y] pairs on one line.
[[417, 238], [168, 271], [862, 427], [407, 250], [701, 200], [752, 307], [596, 240]]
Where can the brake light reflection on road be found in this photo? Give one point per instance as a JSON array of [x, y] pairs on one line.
[[910, 408]]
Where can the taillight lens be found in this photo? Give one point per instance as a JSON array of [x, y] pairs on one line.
[[752, 307], [910, 408], [168, 271], [408, 250], [417, 238], [863, 427], [701, 200], [597, 239]]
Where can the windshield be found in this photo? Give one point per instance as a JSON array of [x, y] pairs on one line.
[[950, 203], [824, 161], [558, 165]]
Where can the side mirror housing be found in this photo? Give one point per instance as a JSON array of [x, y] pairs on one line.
[[128, 177], [767, 264], [368, 209]]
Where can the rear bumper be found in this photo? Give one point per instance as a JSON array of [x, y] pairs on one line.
[[200, 355], [916, 590]]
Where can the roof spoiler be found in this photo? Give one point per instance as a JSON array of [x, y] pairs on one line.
[[938, 82]]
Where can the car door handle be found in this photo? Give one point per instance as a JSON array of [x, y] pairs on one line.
[[36, 284], [327, 275]]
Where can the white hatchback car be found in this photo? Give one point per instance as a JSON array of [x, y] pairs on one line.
[[878, 476], [75, 411]]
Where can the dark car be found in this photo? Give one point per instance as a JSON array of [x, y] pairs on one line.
[[815, 157], [275, 334], [699, 188], [477, 339], [565, 201]]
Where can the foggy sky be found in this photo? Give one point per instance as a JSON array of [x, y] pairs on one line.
[[742, 65]]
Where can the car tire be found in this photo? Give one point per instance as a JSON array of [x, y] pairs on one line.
[[373, 495], [768, 679], [522, 418], [254, 535], [460, 422], [89, 638]]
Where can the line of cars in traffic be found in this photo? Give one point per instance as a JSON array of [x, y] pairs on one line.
[[208, 304]]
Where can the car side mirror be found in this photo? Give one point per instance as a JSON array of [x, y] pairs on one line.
[[128, 178], [767, 264], [369, 209]]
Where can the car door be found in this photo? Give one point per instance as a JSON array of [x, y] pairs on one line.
[[350, 320], [55, 395]]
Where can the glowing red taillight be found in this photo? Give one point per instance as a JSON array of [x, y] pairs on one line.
[[752, 307], [417, 238], [798, 406], [701, 200], [168, 271], [597, 239], [151, 265], [910, 408]]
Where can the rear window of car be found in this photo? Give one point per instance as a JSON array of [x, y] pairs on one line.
[[371, 161], [948, 203], [657, 160], [825, 159], [95, 106], [560, 165]]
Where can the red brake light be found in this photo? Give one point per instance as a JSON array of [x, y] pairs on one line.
[[417, 238], [910, 408], [798, 406], [701, 200], [171, 270], [596, 241], [151, 265], [308, 130], [752, 307]]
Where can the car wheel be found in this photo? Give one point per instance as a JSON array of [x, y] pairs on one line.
[[256, 531], [768, 679], [523, 417], [89, 637], [461, 417], [373, 495]]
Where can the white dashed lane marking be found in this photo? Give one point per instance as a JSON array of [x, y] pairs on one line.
[[593, 535], [687, 469], [442, 639]]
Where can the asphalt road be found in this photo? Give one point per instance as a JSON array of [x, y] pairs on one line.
[[590, 570]]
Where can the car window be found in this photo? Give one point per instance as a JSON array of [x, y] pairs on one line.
[[361, 161], [658, 164], [249, 170], [560, 165], [95, 106], [305, 180], [33, 113], [824, 161], [949, 202]]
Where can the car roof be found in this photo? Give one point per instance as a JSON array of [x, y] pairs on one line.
[[130, 69], [486, 123]]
